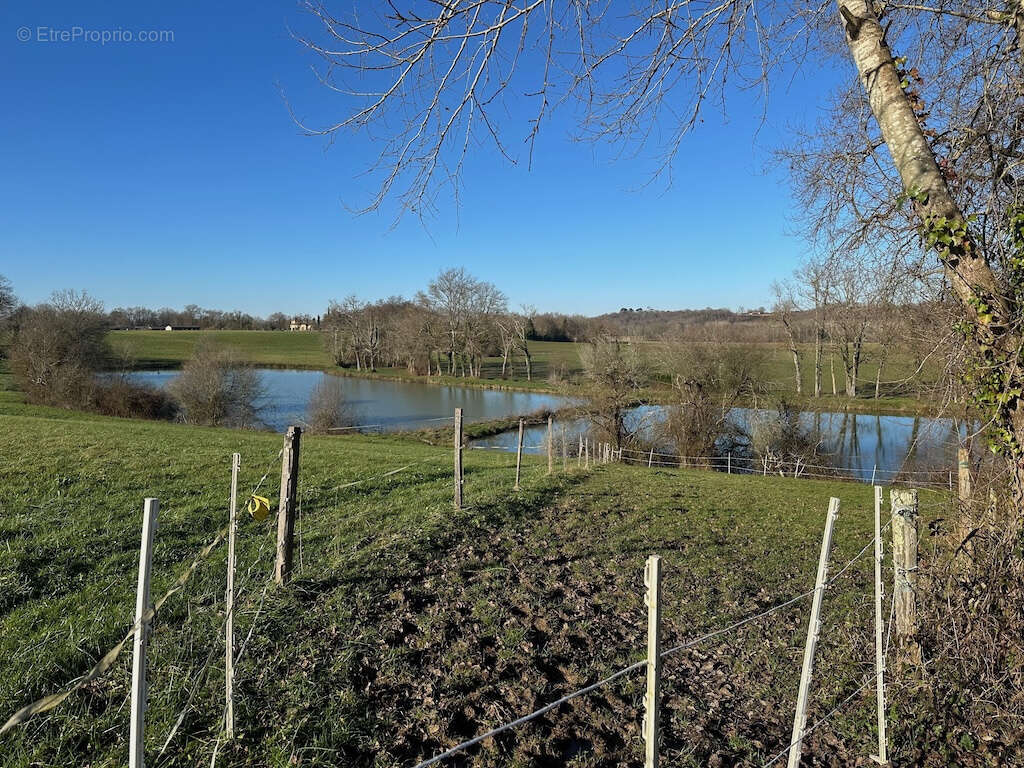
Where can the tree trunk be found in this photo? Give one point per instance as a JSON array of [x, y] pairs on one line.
[[796, 368], [878, 377], [529, 367], [969, 274], [795, 353], [832, 368], [817, 362]]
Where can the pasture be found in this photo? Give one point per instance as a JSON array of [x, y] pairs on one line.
[[410, 626]]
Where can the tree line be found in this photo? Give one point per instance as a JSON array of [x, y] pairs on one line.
[[449, 328]]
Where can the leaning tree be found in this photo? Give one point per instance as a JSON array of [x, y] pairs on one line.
[[926, 136]]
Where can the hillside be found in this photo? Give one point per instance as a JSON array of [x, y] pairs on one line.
[[410, 626]]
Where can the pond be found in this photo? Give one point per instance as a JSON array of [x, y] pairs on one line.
[[380, 404], [862, 445]]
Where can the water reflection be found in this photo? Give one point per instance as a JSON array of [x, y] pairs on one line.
[[862, 445], [387, 405]]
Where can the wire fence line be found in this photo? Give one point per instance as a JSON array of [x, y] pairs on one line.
[[640, 664], [875, 678], [101, 667], [49, 702]]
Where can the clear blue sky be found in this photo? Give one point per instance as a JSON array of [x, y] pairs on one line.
[[162, 174]]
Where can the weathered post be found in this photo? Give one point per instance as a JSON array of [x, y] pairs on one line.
[[728, 465], [881, 757], [964, 474], [813, 630], [143, 619], [229, 606], [650, 459], [579, 453], [652, 580], [286, 506], [519, 454], [459, 477], [551, 447], [904, 562]]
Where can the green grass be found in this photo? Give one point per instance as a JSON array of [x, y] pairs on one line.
[[169, 349], [410, 626], [163, 349]]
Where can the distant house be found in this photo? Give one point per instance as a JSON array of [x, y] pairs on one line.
[[296, 325], [181, 327]]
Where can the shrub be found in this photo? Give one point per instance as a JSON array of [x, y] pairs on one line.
[[58, 348], [328, 408], [117, 395], [214, 389]]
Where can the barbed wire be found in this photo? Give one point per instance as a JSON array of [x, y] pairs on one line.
[[820, 721], [101, 667], [532, 716], [675, 649]]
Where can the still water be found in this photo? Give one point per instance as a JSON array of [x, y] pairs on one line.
[[387, 405], [862, 445]]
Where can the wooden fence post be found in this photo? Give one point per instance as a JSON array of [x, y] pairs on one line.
[[904, 562], [459, 476], [881, 758], [652, 580], [286, 506], [728, 466], [551, 446], [229, 606], [964, 474], [650, 459], [143, 619], [813, 631], [519, 455]]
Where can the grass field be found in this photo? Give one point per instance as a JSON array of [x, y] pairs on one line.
[[410, 626], [161, 349], [169, 349]]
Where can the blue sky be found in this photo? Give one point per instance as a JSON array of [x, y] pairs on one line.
[[162, 174]]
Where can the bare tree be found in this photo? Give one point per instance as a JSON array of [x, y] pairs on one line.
[[814, 287], [522, 324], [341, 331], [448, 295], [507, 336], [58, 349], [215, 389], [785, 305], [614, 373], [849, 320], [8, 301], [328, 407], [427, 80], [8, 304], [708, 382]]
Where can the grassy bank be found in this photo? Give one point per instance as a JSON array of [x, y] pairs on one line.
[[411, 626], [552, 361]]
